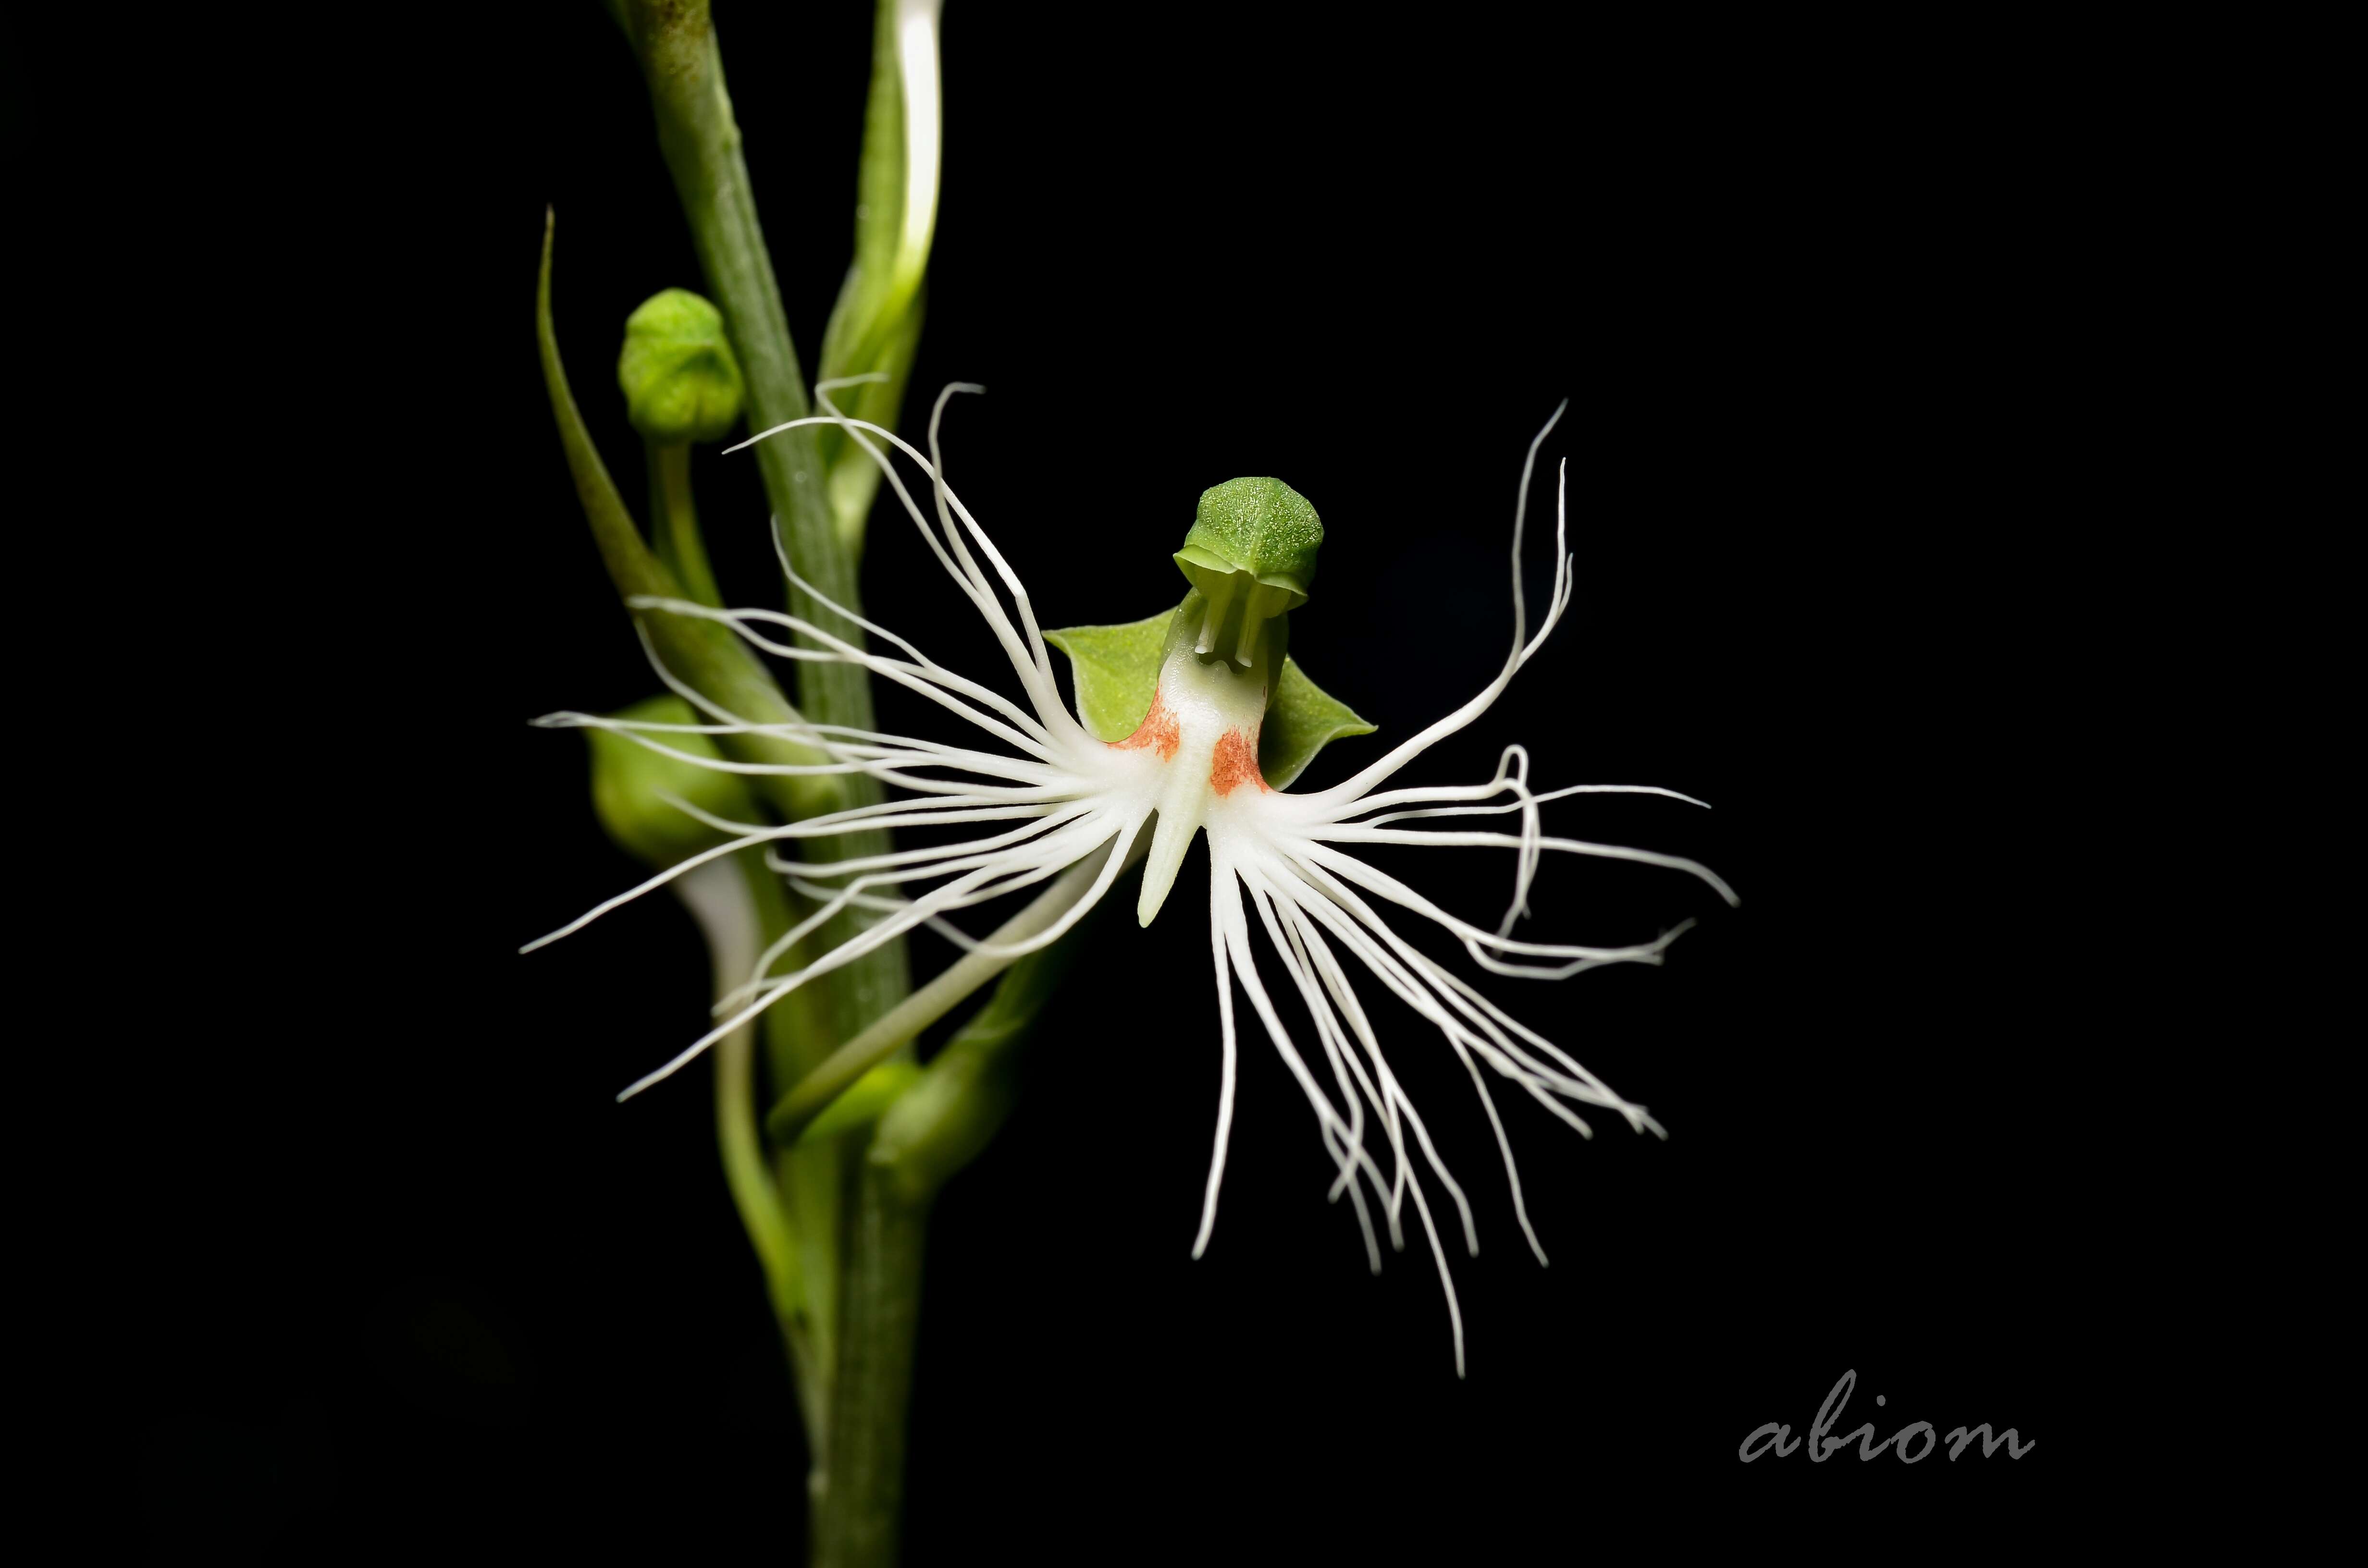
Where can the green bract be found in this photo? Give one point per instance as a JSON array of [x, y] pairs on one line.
[[679, 379], [630, 782]]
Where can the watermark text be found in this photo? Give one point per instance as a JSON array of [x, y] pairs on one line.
[[1778, 1439]]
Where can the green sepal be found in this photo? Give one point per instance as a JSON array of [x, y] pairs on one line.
[[1302, 719], [1116, 670], [866, 1100]]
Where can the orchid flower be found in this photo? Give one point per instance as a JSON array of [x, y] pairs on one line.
[[1074, 800]]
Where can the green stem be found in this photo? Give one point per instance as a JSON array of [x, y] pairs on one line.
[[793, 1214], [700, 141], [809, 1186], [718, 897], [674, 522], [725, 898], [932, 1131], [862, 1510], [814, 1181]]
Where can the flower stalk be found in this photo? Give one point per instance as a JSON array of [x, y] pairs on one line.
[[674, 41], [740, 907], [935, 1128], [819, 507], [722, 897], [674, 522]]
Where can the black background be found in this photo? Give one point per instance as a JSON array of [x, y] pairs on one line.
[[1808, 297]]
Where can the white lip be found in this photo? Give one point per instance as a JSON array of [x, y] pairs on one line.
[[1205, 699]]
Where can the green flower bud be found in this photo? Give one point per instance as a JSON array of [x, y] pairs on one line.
[[1252, 554], [629, 781], [680, 381]]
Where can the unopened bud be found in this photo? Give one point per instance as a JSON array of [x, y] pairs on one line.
[[631, 781], [680, 381]]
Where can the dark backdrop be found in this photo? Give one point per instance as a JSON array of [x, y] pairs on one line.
[[1803, 293]]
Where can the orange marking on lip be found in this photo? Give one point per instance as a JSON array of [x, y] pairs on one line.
[[1158, 731], [1236, 764]]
